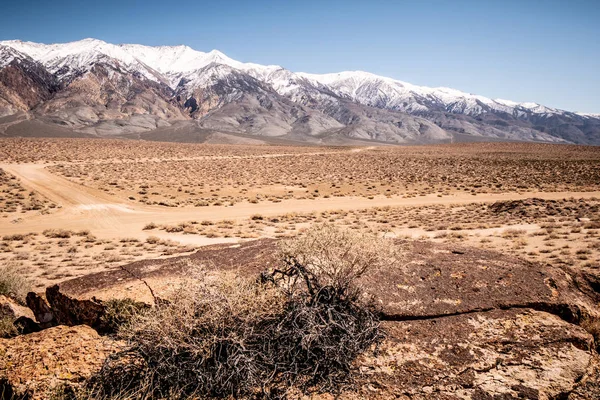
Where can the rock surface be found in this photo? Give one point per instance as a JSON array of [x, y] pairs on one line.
[[12, 309], [56, 308], [440, 280], [504, 353], [34, 364], [41, 310], [19, 316], [461, 323]]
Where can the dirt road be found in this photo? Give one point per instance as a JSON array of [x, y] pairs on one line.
[[108, 217]]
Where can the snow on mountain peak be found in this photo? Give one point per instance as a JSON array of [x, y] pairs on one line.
[[74, 55], [8, 54], [171, 63]]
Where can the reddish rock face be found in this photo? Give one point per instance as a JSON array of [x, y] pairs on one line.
[[56, 308], [34, 364], [460, 323], [26, 84], [505, 353], [41, 310]]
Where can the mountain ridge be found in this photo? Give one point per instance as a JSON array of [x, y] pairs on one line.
[[192, 85]]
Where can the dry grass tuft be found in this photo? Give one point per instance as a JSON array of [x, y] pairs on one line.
[[13, 284]]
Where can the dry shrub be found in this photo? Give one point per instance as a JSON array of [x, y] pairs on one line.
[[14, 237], [58, 233], [13, 284], [327, 257], [150, 226], [7, 328], [301, 325], [153, 240], [120, 312], [206, 340]]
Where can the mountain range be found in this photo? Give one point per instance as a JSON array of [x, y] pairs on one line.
[[94, 88]]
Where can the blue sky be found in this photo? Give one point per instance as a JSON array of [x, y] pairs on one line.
[[529, 50]]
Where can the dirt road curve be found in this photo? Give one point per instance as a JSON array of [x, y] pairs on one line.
[[109, 217]]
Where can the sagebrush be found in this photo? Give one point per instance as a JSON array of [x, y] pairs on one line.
[[300, 325]]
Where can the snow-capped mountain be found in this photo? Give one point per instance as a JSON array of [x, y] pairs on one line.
[[103, 88], [382, 92]]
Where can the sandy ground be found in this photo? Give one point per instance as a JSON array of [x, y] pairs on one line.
[[107, 217]]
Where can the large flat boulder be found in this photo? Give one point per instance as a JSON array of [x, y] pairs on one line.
[[439, 280], [461, 323], [249, 258]]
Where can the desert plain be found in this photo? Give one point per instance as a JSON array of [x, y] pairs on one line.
[[82, 213], [69, 207]]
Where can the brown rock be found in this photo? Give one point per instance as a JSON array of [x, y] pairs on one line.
[[26, 325], [71, 311], [12, 309], [21, 317], [461, 323], [41, 310], [39, 362], [509, 354], [437, 280], [589, 386], [57, 308]]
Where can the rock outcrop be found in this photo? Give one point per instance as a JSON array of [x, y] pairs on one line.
[[441, 280], [41, 310], [12, 309], [19, 316], [460, 323], [500, 354], [71, 311], [33, 365], [56, 308]]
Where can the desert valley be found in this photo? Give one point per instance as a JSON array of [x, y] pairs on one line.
[[499, 236]]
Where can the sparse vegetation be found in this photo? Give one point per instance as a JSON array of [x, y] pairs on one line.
[[15, 199], [194, 179]]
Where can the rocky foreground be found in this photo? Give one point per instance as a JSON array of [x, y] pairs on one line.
[[460, 323]]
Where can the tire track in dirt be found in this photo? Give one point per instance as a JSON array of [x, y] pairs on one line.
[[106, 216]]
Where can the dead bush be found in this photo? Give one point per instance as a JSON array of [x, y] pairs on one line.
[[300, 325], [150, 226], [153, 240], [14, 237], [204, 341]]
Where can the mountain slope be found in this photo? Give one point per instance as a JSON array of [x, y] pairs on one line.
[[24, 83], [100, 88]]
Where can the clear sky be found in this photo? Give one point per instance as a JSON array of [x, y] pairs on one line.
[[545, 51]]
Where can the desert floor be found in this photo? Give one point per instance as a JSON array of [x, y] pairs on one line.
[[69, 207]]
